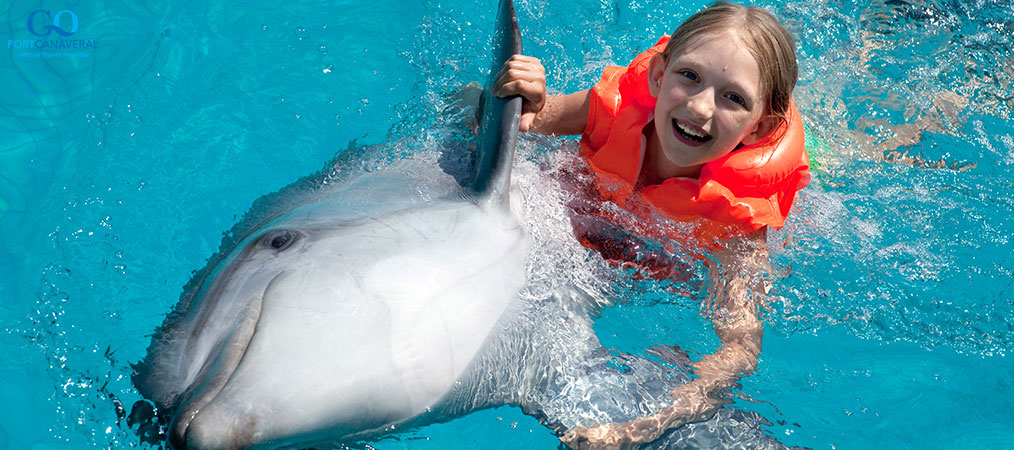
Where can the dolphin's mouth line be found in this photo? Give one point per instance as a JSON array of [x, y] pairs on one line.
[[217, 373]]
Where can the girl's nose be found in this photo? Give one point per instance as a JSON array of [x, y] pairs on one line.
[[702, 105]]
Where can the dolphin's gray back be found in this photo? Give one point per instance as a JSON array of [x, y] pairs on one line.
[[499, 118]]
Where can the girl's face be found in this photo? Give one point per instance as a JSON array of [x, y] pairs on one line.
[[708, 102]]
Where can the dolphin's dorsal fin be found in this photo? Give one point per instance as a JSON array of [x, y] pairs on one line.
[[499, 118]]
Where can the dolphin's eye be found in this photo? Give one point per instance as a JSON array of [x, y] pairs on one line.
[[279, 239]]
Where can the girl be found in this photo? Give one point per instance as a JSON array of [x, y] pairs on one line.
[[700, 127]]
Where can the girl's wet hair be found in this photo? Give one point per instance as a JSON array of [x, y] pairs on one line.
[[764, 37]]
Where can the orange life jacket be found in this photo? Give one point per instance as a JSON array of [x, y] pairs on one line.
[[748, 189]]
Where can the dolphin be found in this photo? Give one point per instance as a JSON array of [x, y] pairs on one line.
[[380, 295]]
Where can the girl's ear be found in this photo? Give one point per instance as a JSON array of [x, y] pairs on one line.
[[656, 68], [764, 128]]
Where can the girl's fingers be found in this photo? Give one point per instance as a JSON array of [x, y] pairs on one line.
[[532, 91], [521, 70], [525, 76]]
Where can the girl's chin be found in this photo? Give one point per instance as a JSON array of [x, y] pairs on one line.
[[681, 156], [677, 165]]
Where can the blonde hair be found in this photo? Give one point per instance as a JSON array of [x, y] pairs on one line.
[[764, 37]]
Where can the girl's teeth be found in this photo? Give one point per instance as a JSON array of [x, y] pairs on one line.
[[689, 131]]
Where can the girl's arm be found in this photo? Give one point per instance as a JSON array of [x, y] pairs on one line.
[[737, 302], [544, 114], [737, 299]]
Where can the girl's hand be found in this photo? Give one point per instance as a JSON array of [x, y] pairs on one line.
[[691, 406], [610, 436], [523, 75], [628, 435]]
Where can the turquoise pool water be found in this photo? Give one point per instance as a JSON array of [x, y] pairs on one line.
[[123, 161]]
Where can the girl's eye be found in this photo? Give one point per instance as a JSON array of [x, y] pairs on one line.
[[689, 75], [737, 99]]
